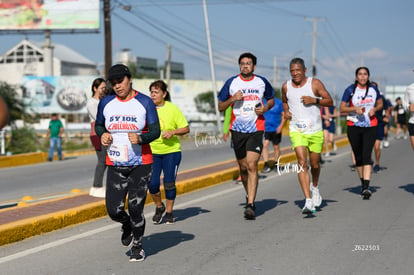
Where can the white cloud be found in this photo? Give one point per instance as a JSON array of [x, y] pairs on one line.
[[374, 53]]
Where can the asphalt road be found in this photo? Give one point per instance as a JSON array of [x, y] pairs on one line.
[[42, 181], [346, 236], [60, 177]]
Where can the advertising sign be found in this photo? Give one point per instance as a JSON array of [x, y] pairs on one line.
[[49, 14], [62, 95]]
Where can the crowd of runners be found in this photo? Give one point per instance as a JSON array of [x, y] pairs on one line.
[[136, 137]]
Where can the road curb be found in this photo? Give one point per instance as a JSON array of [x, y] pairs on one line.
[[36, 157], [22, 229]]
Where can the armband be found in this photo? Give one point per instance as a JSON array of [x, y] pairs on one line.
[[317, 101]]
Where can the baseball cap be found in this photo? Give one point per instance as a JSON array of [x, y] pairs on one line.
[[118, 71]]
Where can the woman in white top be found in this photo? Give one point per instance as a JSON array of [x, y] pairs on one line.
[[98, 92]]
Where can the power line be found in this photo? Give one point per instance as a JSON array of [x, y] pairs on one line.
[[211, 2], [191, 39]]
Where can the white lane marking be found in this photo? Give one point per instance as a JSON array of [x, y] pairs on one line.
[[55, 243], [96, 231]]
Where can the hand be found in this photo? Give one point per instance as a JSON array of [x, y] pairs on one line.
[[371, 112], [134, 138], [106, 139], [288, 115], [167, 134], [360, 110], [308, 100], [259, 110], [238, 96], [225, 136], [327, 123], [279, 129]]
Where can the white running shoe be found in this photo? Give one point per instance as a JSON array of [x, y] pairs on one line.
[[309, 207], [326, 155], [316, 196], [386, 143], [97, 192]]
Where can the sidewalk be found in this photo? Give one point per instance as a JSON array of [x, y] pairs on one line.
[[21, 222]]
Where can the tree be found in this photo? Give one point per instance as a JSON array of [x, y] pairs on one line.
[[23, 140], [205, 102], [133, 69], [4, 113], [278, 92], [17, 109]]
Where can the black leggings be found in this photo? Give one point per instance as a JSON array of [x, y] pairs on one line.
[[362, 141], [131, 180]]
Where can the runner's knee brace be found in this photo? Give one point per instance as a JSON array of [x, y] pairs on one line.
[[169, 185]]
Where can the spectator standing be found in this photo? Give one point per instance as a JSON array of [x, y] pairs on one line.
[[54, 134]]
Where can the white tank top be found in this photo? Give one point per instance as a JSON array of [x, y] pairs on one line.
[[305, 118]]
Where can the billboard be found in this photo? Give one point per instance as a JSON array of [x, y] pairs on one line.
[[49, 94], [49, 14], [69, 94]]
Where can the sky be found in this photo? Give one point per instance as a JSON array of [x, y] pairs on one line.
[[378, 34]]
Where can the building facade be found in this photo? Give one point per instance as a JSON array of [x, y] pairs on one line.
[[27, 58]]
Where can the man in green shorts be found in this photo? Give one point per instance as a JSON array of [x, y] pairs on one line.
[[302, 97]]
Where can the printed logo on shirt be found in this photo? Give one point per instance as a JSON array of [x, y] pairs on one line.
[[122, 123], [250, 91]]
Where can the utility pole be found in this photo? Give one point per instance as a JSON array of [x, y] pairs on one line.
[[362, 61], [275, 73], [213, 75], [314, 35], [108, 36], [48, 55], [168, 66]]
